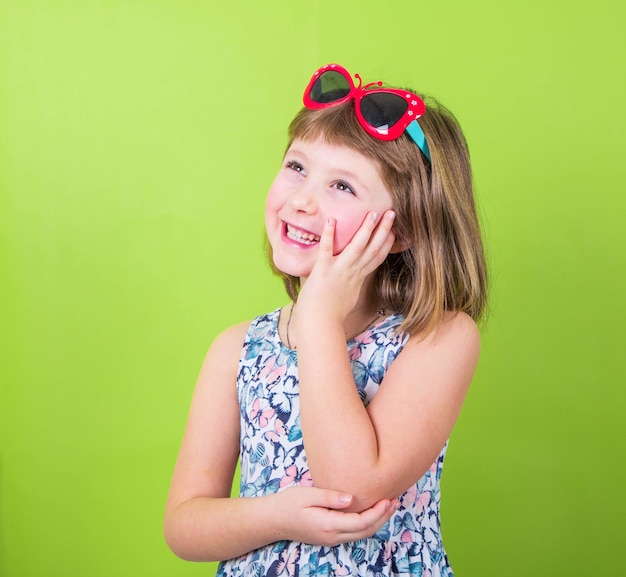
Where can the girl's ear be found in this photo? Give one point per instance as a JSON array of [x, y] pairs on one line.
[[399, 246]]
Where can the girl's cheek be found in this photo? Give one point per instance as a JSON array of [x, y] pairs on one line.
[[272, 203], [345, 232]]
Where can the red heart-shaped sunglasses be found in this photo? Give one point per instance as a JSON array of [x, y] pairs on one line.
[[384, 113]]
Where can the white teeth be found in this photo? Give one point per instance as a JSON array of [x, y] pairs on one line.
[[301, 236]]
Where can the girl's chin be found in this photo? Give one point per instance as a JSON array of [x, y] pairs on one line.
[[293, 271], [288, 266]]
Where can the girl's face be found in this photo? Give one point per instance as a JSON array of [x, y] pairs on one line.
[[317, 181]]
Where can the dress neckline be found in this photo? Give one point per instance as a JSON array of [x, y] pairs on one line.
[[393, 318]]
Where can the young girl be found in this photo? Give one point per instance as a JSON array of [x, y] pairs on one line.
[[339, 405]]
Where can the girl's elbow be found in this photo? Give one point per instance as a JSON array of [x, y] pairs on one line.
[[367, 496], [187, 542], [172, 538], [385, 487], [176, 540]]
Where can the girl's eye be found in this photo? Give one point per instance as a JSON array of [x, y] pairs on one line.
[[342, 185], [293, 165]]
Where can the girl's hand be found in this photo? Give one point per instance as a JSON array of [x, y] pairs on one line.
[[315, 516], [336, 280]]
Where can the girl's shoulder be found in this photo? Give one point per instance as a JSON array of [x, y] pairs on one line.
[[235, 336], [457, 335], [457, 325], [230, 340]]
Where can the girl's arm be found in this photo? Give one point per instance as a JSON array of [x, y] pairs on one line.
[[202, 522], [379, 451]]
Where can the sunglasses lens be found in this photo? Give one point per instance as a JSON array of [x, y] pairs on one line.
[[329, 87], [382, 110]]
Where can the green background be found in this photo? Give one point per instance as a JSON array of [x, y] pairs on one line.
[[137, 141]]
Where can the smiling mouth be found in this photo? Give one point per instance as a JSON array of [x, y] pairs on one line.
[[301, 236]]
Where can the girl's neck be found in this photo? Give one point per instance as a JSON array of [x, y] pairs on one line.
[[358, 321], [365, 313]]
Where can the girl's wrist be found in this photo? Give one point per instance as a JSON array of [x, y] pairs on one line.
[[279, 515]]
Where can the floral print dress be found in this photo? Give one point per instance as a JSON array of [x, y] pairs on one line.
[[273, 458]]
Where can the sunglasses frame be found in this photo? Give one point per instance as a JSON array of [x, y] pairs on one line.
[[408, 121]]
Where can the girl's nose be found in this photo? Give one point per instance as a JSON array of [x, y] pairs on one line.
[[303, 199]]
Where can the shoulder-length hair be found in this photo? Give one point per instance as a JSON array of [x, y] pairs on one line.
[[442, 267]]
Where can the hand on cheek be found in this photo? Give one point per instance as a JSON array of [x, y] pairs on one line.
[[373, 240], [336, 279]]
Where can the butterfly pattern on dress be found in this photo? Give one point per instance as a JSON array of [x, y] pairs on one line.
[[273, 459]]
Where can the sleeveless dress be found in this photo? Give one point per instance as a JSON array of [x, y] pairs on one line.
[[272, 459]]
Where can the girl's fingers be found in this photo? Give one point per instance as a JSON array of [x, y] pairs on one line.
[[329, 499], [388, 236], [363, 254], [327, 239], [321, 518], [384, 230], [359, 525], [363, 235], [374, 235]]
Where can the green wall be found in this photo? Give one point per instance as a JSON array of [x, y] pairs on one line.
[[137, 141]]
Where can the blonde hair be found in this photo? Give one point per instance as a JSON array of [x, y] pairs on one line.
[[443, 265]]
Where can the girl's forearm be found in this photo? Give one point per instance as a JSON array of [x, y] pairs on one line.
[[339, 437], [380, 451], [215, 529]]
